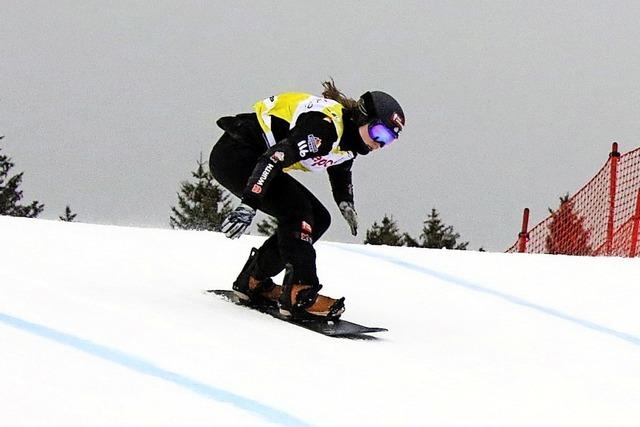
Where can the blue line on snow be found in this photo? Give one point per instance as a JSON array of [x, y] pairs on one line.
[[147, 368], [510, 298]]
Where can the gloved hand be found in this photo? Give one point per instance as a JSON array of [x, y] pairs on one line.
[[237, 221], [349, 213]]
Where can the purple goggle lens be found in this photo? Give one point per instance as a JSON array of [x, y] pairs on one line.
[[381, 134]]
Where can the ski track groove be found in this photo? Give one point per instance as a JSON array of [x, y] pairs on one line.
[[144, 367], [457, 281]]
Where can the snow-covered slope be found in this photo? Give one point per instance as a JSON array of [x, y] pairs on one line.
[[104, 325]]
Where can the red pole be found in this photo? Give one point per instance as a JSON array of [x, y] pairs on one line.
[[613, 181], [524, 235], [636, 225]]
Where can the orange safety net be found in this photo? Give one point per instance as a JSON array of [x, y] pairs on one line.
[[602, 218]]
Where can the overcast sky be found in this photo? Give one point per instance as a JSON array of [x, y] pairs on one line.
[[106, 106]]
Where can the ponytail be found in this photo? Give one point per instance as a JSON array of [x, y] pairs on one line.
[[332, 92]]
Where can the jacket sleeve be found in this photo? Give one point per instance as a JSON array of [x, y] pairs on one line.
[[313, 135], [341, 184]]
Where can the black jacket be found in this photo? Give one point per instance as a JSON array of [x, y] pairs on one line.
[[293, 145]]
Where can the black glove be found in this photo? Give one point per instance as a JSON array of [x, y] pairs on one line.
[[237, 221], [349, 213]]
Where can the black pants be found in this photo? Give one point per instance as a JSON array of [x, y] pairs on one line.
[[232, 161]]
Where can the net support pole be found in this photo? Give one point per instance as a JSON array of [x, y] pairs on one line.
[[613, 181], [524, 234], [633, 251]]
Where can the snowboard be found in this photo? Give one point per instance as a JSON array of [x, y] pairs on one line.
[[332, 328]]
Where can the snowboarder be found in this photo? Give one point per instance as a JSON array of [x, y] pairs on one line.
[[296, 131]]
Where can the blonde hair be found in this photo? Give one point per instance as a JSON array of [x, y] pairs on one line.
[[332, 92]]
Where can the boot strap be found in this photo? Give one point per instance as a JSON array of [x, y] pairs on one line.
[[307, 296]]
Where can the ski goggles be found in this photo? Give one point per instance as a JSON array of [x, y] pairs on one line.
[[381, 134]]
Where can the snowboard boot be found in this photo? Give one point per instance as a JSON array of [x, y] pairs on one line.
[[249, 288], [302, 302]]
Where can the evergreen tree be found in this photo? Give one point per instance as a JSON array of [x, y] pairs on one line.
[[268, 227], [10, 194], [386, 233], [435, 234], [68, 216], [567, 233], [202, 205], [407, 240]]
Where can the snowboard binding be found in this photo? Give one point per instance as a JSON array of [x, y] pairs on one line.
[[303, 302], [250, 289]]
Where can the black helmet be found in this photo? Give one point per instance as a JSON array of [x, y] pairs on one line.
[[377, 105]]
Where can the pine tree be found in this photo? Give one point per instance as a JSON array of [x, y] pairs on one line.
[[10, 195], [268, 227], [68, 216], [435, 234], [567, 233], [387, 233], [407, 240], [202, 205]]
